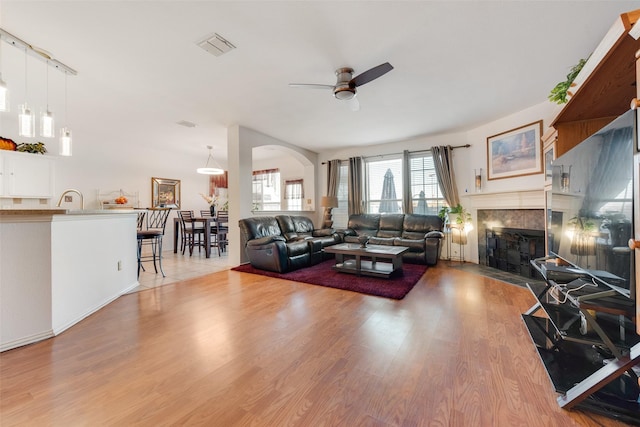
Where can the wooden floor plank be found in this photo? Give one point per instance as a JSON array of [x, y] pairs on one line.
[[233, 348]]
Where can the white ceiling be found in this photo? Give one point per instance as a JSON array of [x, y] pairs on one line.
[[457, 64]]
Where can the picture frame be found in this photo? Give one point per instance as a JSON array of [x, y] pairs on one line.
[[516, 152], [549, 155], [165, 193]]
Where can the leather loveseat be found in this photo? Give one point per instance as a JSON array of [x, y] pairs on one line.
[[284, 242], [422, 234]]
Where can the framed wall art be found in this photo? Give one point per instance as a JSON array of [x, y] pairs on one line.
[[516, 152], [165, 193]]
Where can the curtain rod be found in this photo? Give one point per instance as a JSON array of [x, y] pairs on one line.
[[410, 152]]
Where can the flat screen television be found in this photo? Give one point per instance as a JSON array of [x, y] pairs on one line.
[[590, 216]]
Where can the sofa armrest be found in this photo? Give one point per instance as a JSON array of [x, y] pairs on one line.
[[435, 234], [323, 232], [264, 241]]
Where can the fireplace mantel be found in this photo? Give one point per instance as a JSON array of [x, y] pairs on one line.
[[522, 199]]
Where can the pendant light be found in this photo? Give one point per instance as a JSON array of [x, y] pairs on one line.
[[4, 90], [26, 119], [66, 148], [47, 128], [214, 169]]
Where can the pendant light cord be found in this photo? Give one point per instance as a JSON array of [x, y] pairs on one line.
[[25, 75]]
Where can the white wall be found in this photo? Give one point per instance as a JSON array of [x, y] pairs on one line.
[[509, 191]]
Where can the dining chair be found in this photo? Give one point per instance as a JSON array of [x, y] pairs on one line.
[[190, 231], [222, 230], [151, 234]]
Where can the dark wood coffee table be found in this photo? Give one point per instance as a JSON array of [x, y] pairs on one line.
[[369, 266]]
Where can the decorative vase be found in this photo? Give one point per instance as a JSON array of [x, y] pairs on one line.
[[363, 241], [212, 209]]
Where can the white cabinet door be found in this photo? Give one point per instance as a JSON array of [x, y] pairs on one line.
[[27, 175]]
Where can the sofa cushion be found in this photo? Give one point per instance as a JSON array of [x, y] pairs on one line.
[[413, 245], [260, 226], [382, 241], [297, 248], [295, 226], [417, 226], [366, 224], [390, 225]]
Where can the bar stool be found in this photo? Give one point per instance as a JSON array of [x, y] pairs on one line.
[[152, 235]]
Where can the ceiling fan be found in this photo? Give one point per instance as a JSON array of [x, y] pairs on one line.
[[345, 87]]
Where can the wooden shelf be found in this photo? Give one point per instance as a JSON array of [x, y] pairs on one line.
[[604, 88]]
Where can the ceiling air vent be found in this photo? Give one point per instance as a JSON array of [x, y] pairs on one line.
[[186, 123], [216, 44]]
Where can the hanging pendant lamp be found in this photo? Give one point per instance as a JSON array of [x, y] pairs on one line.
[[65, 146], [26, 119], [214, 169], [47, 128], [4, 90]]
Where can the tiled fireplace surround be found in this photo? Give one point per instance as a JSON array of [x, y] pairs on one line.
[[522, 210], [530, 219]]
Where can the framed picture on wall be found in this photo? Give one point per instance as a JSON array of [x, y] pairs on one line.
[[549, 155], [516, 152], [165, 193]]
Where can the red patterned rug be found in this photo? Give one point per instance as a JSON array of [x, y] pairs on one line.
[[322, 274]]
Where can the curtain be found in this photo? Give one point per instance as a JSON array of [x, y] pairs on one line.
[[355, 185], [407, 202], [443, 162], [333, 177]]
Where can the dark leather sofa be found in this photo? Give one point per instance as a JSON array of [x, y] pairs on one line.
[[422, 234], [284, 242]]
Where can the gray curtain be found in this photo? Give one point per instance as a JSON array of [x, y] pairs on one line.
[[355, 185], [333, 176], [407, 199], [443, 162]]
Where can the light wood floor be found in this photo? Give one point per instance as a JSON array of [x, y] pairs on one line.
[[235, 349]]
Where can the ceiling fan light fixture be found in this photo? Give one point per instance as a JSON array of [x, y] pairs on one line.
[[214, 169], [344, 93]]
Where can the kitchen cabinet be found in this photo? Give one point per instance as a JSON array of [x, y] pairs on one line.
[[26, 175]]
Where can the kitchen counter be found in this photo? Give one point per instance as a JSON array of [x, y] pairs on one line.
[[57, 266], [61, 211]]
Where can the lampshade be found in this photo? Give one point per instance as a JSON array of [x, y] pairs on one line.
[[26, 121], [4, 95], [47, 128], [329, 202], [66, 148], [214, 169]]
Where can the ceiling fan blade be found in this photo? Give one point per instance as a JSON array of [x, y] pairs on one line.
[[370, 74], [311, 86], [354, 104]]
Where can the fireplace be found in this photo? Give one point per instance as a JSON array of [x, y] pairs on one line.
[[512, 249], [509, 238]]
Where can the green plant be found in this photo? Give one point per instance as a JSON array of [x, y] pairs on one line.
[[561, 90], [463, 215], [37, 147]]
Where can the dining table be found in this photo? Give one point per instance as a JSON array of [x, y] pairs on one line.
[[208, 222]]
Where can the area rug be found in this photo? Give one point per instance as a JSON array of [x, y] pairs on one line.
[[322, 274]]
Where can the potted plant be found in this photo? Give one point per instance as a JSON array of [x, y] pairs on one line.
[[456, 215]]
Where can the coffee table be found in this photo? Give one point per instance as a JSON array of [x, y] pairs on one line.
[[370, 266]]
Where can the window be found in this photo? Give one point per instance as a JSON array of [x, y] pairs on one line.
[[383, 185], [293, 194], [426, 197], [266, 190]]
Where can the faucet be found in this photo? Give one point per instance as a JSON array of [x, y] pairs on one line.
[[71, 190]]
